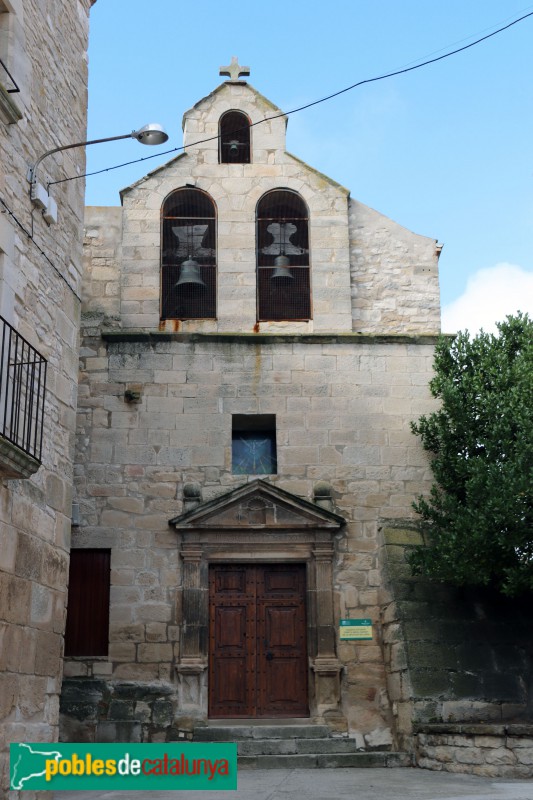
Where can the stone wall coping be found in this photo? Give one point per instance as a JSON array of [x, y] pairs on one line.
[[476, 729], [142, 335]]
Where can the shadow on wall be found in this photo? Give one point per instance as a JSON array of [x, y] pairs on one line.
[[455, 656]]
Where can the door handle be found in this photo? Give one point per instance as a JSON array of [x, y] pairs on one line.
[[269, 656]]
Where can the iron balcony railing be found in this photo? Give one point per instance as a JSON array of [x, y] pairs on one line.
[[14, 88], [22, 391]]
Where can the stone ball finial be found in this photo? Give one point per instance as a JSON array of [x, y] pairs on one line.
[[192, 496], [322, 495], [192, 491]]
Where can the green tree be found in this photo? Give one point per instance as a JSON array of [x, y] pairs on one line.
[[479, 514]]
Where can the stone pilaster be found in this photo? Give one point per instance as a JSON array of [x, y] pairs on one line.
[[325, 665], [192, 666]]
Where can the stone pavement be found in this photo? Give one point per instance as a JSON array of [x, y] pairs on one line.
[[335, 784]]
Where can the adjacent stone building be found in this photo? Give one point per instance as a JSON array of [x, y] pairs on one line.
[[43, 102], [255, 345]]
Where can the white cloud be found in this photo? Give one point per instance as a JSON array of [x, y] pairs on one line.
[[490, 295]]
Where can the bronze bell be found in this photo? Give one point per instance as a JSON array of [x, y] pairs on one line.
[[190, 273], [282, 270]]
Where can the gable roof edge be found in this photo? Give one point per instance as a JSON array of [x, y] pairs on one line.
[[239, 492], [144, 178], [319, 174], [219, 89]]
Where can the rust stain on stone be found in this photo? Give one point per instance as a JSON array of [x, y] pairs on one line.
[[170, 325]]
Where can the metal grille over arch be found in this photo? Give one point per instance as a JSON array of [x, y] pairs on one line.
[[188, 256], [234, 138], [283, 273]]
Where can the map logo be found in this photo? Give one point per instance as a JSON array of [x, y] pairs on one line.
[[28, 762], [189, 765]]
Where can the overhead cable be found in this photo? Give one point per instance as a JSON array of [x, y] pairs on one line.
[[309, 105]]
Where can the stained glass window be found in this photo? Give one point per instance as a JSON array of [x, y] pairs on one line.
[[254, 444]]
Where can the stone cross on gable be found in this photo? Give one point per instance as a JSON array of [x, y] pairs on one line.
[[234, 70]]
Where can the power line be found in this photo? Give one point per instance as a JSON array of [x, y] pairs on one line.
[[383, 77], [41, 251], [463, 39]]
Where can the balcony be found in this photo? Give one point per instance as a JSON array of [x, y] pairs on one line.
[[9, 111], [22, 395]]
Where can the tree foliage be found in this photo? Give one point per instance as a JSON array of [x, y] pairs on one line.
[[479, 514]]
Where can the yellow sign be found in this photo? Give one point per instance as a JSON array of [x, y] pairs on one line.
[[358, 629]]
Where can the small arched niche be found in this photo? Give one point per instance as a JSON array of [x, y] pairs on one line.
[[234, 138]]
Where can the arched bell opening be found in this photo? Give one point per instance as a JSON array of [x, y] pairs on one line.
[[188, 260]]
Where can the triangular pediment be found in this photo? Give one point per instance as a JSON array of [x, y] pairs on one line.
[[258, 505]]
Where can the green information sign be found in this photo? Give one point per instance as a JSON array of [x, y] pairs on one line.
[[355, 629], [109, 767]]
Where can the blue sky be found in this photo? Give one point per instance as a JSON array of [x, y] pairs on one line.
[[447, 150]]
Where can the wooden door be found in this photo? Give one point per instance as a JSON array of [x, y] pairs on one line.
[[257, 641], [87, 627]]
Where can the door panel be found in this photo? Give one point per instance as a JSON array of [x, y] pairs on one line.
[[257, 651], [280, 626]]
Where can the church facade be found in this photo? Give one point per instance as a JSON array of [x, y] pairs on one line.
[[255, 345]]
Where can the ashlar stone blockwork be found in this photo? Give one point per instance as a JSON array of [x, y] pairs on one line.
[[44, 46], [156, 401]]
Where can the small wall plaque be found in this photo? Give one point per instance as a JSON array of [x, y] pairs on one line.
[[355, 629]]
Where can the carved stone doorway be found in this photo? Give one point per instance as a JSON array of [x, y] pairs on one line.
[[257, 641], [253, 525]]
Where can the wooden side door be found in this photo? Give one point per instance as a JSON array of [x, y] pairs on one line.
[[257, 641], [232, 678], [281, 639]]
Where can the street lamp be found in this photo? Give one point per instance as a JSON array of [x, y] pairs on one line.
[[152, 134]]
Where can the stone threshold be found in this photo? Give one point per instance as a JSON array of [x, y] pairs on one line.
[[143, 335], [251, 722]]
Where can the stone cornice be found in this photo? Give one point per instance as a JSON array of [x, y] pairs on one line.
[[143, 335]]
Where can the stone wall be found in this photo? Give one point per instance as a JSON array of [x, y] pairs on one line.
[[102, 253], [40, 286], [94, 710], [342, 405], [342, 402], [395, 280], [491, 750], [455, 656]]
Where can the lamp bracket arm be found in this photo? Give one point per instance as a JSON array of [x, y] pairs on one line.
[[32, 170]]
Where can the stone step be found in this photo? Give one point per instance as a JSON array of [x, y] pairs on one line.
[[325, 761], [236, 733], [251, 747], [295, 746]]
